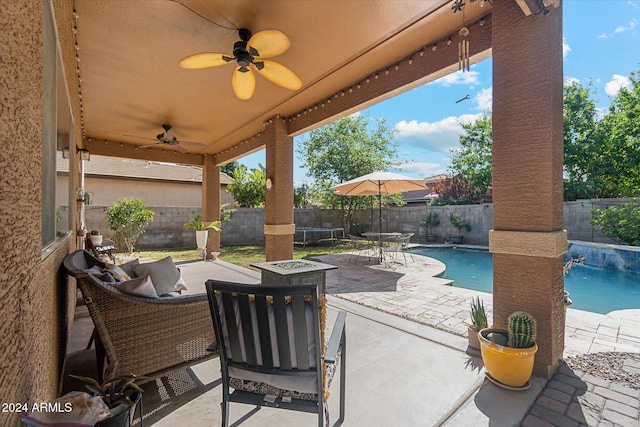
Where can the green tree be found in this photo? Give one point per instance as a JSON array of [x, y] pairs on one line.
[[248, 187], [581, 143], [620, 155], [473, 159], [343, 150], [230, 167], [127, 219], [619, 222]]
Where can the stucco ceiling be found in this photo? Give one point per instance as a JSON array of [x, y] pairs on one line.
[[129, 52]]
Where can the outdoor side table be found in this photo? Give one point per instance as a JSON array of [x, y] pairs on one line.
[[294, 272]]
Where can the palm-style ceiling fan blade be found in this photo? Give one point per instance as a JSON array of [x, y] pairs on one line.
[[204, 60], [269, 43], [280, 75], [180, 149], [243, 83]]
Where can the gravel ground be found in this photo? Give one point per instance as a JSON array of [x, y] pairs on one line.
[[615, 367]]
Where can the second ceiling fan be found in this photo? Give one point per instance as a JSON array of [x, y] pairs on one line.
[[248, 53]]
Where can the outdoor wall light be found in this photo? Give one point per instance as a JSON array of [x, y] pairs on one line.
[[84, 153], [269, 184]]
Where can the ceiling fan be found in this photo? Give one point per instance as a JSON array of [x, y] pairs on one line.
[[170, 139], [250, 50]]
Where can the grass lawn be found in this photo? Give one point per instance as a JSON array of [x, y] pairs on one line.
[[242, 255]]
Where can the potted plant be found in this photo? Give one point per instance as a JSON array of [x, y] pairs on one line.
[[96, 238], [431, 221], [508, 356], [460, 224], [202, 231], [121, 394], [478, 322]]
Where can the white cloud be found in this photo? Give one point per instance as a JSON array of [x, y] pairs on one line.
[[565, 47], [484, 99], [422, 169], [617, 81], [458, 78], [621, 29], [571, 80], [437, 136]]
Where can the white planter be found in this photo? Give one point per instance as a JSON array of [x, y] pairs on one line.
[[201, 239], [96, 240]]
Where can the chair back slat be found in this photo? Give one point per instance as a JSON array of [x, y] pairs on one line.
[[262, 315], [300, 332], [247, 328], [232, 333], [282, 332]]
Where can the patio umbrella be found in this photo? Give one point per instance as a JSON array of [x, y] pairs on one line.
[[379, 183]]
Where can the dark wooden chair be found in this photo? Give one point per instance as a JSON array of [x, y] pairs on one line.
[[268, 345]]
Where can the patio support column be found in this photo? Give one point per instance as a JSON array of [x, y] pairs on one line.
[[211, 201], [279, 227], [528, 240]]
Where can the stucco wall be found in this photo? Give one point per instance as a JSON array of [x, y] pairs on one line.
[[32, 291]]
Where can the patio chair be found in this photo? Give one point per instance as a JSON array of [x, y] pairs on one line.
[[144, 336], [269, 353], [394, 246], [359, 246]]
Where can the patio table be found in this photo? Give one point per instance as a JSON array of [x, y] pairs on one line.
[[379, 239]]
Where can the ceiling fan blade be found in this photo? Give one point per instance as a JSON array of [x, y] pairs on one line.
[[243, 83], [203, 60], [180, 149], [280, 75], [193, 144], [149, 145], [269, 43]]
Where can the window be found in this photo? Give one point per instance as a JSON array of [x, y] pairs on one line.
[[57, 133]]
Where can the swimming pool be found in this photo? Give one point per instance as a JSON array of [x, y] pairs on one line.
[[592, 289]]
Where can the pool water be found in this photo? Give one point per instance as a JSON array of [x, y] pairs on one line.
[[591, 289]]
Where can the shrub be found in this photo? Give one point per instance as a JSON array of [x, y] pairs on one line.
[[127, 219], [619, 222]]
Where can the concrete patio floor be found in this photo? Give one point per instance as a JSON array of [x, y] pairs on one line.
[[408, 363]]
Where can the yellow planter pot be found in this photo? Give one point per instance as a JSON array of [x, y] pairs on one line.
[[509, 366]]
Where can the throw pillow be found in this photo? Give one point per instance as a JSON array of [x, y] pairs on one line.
[[118, 273], [140, 286], [128, 267], [164, 274]]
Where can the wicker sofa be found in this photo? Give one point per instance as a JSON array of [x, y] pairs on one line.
[[144, 336]]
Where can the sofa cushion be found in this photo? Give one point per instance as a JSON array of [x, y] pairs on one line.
[[164, 275], [140, 286]]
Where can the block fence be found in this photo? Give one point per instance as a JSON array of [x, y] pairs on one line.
[[246, 227]]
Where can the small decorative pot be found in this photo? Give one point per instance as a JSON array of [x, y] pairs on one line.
[[456, 240], [474, 342], [122, 415], [201, 239], [432, 238], [96, 240]]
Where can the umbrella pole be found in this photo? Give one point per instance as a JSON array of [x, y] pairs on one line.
[[380, 221]]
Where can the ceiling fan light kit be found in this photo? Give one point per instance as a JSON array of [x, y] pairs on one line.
[[250, 50]]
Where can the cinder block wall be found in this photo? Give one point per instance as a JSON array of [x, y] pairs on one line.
[[246, 228]]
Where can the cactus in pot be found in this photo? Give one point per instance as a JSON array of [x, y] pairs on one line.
[[522, 330]]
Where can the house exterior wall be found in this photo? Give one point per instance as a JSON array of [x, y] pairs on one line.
[[105, 191], [33, 291]]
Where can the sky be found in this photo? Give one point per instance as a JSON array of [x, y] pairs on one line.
[[601, 45]]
